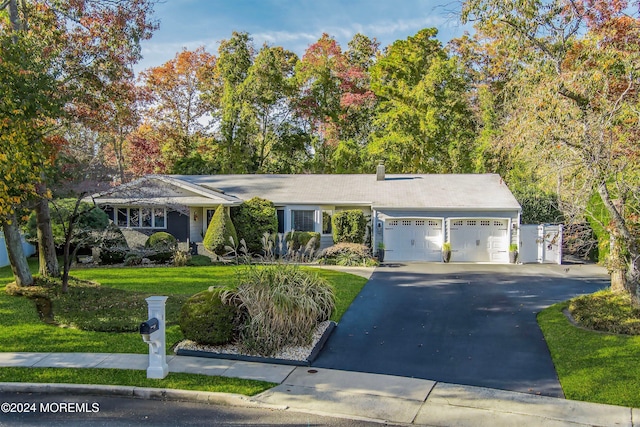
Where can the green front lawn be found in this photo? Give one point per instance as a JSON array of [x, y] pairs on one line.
[[122, 304], [119, 302], [592, 366], [134, 378]]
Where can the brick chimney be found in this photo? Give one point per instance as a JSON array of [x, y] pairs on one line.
[[380, 171]]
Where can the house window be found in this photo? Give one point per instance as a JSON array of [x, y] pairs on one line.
[[141, 217], [210, 213], [303, 220], [146, 215], [159, 218], [122, 216], [134, 217], [326, 222]]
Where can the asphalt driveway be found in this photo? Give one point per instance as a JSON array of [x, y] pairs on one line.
[[458, 323]]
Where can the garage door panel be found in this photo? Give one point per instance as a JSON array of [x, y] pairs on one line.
[[479, 240], [409, 239]]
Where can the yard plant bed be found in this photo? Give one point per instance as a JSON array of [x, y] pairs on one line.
[[594, 366], [291, 355]]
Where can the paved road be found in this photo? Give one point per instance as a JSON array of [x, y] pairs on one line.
[[66, 410], [458, 323]]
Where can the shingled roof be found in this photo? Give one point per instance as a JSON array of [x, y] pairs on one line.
[[412, 191]]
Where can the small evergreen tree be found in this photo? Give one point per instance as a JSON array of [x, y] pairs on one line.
[[253, 219], [220, 232]]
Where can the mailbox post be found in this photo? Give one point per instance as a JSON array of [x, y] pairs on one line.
[[153, 333]]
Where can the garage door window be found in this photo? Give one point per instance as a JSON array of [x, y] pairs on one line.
[[485, 223]]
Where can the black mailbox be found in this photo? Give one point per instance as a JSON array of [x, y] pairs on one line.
[[149, 327]]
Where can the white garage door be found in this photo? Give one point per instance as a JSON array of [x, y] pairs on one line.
[[479, 240], [413, 239]]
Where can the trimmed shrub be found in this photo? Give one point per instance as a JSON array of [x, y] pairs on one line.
[[299, 239], [132, 259], [162, 246], [252, 219], [206, 319], [113, 247], [220, 232], [349, 226], [199, 260], [348, 254], [161, 241], [283, 305]]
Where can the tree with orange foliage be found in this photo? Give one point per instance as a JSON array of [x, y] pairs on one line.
[[573, 106], [335, 86], [173, 101], [59, 58]]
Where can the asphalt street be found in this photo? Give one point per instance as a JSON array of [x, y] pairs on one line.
[[467, 324], [36, 409]]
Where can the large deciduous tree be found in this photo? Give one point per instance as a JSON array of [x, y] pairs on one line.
[[573, 107], [175, 106], [270, 87], [60, 58], [424, 122], [335, 99]]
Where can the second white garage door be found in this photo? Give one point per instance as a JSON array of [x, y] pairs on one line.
[[479, 240], [413, 239]]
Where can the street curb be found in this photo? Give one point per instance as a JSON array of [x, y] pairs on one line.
[[217, 398]]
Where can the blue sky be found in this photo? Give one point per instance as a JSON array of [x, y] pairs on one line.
[[292, 24]]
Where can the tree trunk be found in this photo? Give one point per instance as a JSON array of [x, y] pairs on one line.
[[616, 264], [49, 266], [623, 236], [13, 241]]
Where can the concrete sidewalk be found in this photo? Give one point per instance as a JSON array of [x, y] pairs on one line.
[[353, 395]]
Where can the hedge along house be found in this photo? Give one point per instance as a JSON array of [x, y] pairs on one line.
[[412, 215]]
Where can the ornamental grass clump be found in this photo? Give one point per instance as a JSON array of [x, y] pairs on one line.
[[283, 305], [347, 254]]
